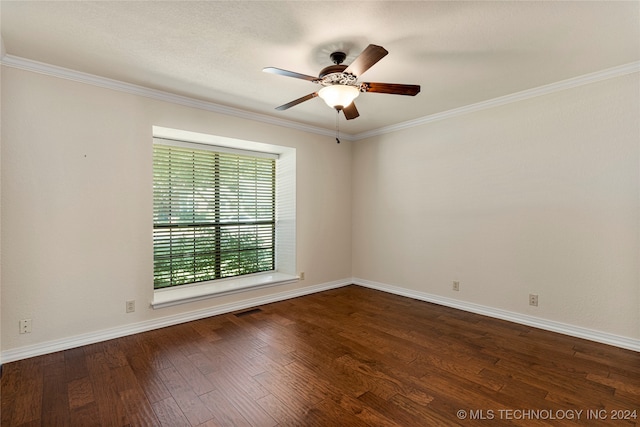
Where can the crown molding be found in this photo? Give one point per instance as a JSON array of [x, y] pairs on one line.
[[68, 74], [609, 73], [91, 79]]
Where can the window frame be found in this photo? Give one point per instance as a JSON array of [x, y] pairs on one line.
[[285, 240]]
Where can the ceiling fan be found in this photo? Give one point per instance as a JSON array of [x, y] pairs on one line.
[[340, 84]]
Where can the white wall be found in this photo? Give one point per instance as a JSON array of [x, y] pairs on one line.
[[540, 196], [77, 205], [2, 52]]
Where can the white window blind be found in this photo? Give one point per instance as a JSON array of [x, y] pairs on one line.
[[213, 214]]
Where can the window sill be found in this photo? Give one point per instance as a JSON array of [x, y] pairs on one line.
[[190, 293]]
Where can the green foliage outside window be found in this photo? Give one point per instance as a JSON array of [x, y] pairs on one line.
[[213, 215]]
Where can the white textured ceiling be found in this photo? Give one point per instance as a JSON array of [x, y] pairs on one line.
[[459, 52]]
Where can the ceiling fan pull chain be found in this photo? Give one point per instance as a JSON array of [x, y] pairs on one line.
[[337, 126]]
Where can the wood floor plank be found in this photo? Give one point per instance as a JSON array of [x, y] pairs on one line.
[[192, 407], [148, 378], [55, 398], [80, 392], [27, 410], [25, 384], [365, 413], [347, 356], [169, 413], [139, 410], [191, 374], [110, 412], [424, 413], [291, 413], [393, 411], [86, 416], [224, 413], [335, 415], [243, 402], [245, 383], [150, 351], [75, 363]]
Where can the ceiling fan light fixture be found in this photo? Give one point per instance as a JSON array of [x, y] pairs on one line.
[[338, 96]]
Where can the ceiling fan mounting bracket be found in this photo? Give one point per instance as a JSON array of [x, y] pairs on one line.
[[338, 57]]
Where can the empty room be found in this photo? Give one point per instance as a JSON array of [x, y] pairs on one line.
[[318, 213]]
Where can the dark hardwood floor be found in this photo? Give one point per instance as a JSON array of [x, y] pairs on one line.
[[347, 357]]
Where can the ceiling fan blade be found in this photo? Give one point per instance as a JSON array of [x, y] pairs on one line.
[[366, 59], [287, 73], [392, 88], [351, 112], [297, 101]]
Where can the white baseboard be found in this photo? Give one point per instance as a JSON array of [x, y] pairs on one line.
[[148, 325], [107, 334], [523, 319]]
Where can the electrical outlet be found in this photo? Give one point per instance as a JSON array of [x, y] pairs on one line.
[[302, 275], [533, 299], [131, 306], [456, 285], [25, 326]]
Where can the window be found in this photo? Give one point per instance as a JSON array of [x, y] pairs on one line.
[[214, 213], [225, 236]]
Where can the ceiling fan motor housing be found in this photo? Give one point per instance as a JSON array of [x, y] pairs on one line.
[[332, 69], [334, 74]]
